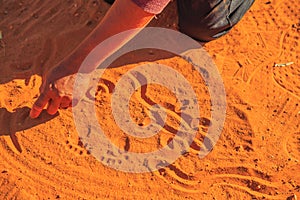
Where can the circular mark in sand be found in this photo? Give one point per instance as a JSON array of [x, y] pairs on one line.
[[175, 42]]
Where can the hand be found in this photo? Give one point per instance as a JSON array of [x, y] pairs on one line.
[[55, 91]]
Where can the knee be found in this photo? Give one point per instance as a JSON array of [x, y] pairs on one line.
[[203, 32], [217, 21]]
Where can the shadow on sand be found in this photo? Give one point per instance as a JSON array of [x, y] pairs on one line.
[[19, 120]]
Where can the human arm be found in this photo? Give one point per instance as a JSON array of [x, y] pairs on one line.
[[56, 90]]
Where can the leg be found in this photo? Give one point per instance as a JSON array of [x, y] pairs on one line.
[[206, 20]]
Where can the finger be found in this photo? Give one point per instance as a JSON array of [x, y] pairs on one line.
[[74, 102], [65, 102], [38, 106], [53, 105]]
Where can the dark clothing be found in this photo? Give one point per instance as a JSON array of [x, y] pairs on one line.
[[203, 20], [206, 20]]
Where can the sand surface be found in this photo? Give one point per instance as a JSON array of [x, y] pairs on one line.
[[256, 157]]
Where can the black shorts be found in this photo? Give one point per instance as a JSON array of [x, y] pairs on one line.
[[206, 20]]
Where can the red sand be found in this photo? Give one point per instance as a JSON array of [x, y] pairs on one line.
[[257, 156]]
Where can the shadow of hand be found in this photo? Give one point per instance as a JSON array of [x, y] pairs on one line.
[[19, 120]]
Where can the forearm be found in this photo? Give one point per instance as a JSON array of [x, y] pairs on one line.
[[123, 15]]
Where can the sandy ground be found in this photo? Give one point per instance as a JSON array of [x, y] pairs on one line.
[[257, 156]]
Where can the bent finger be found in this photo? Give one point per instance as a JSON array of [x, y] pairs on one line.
[[38, 106], [65, 102], [53, 106]]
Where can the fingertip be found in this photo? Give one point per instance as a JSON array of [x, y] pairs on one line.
[[53, 106], [38, 106], [74, 102], [34, 114]]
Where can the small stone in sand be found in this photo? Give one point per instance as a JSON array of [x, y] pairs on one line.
[[293, 197]]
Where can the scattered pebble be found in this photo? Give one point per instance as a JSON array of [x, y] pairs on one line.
[[293, 197], [239, 148], [89, 23], [283, 64], [35, 16], [95, 3], [2, 44]]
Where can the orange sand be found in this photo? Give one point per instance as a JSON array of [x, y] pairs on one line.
[[257, 156]]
